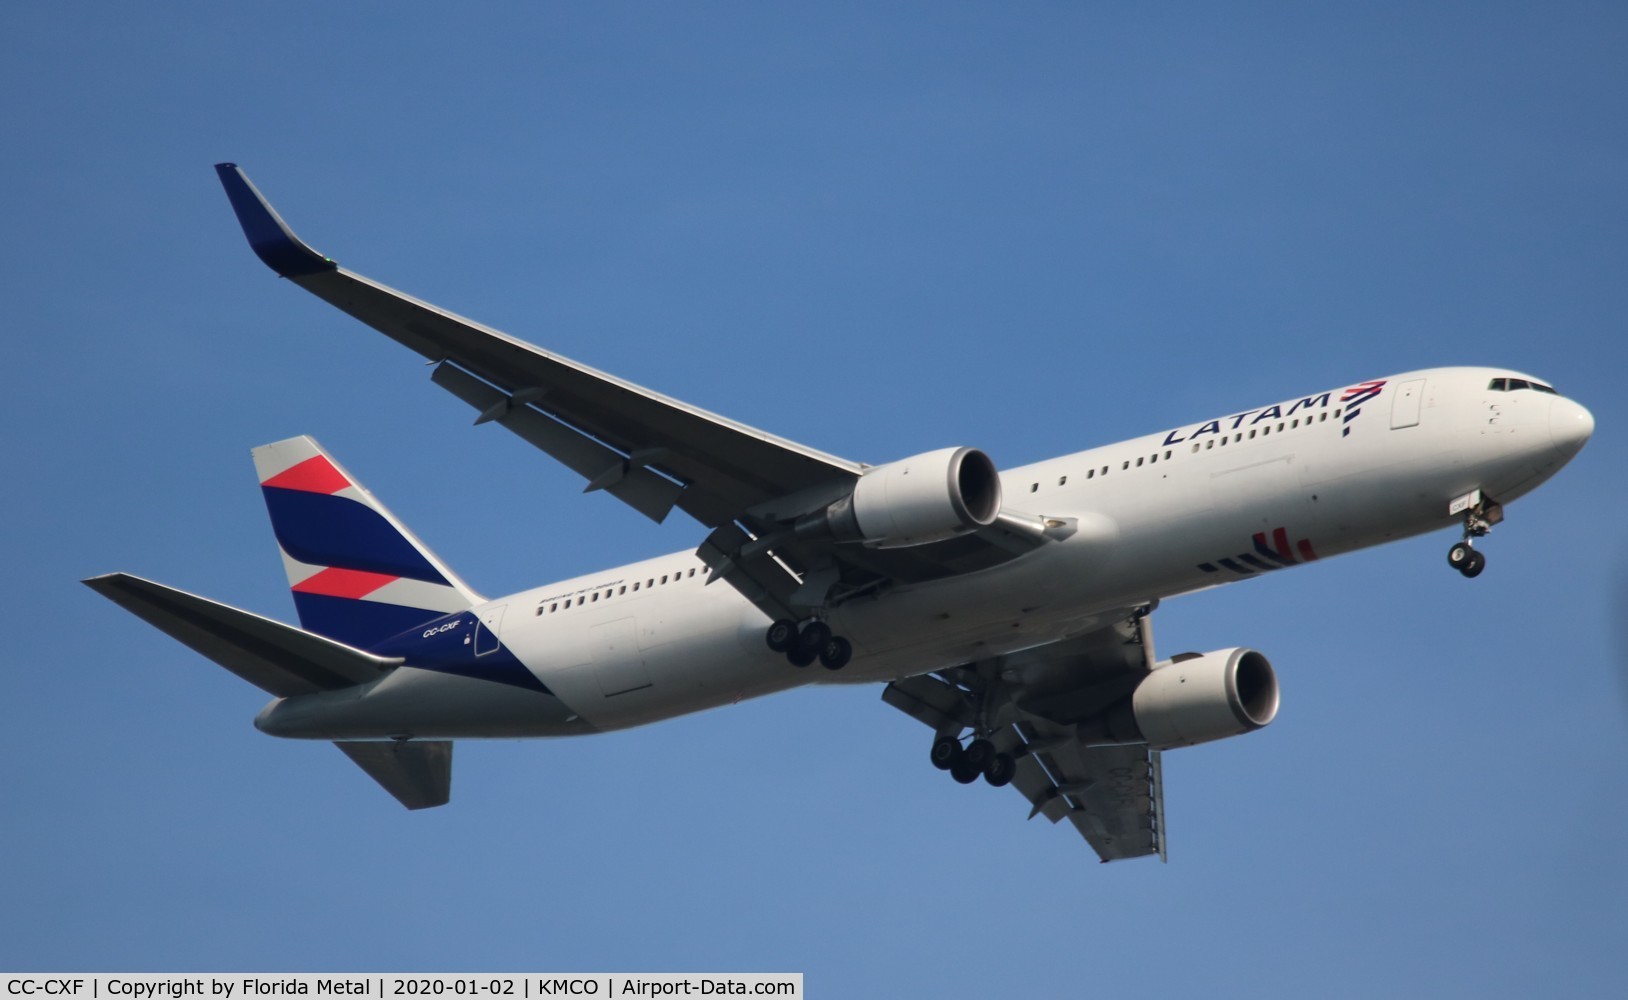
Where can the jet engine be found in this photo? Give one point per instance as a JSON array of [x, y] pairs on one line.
[[1189, 699], [914, 501], [1202, 697]]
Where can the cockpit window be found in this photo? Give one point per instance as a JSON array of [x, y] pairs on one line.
[[1512, 384]]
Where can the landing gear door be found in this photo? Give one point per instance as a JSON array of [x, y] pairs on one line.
[[486, 631], [1405, 407]]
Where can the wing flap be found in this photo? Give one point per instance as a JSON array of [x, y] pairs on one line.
[[648, 493], [1115, 789], [931, 702], [274, 657], [759, 577]]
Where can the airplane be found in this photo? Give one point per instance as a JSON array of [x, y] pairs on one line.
[[1008, 611]]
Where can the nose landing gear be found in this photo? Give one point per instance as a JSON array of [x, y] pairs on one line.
[[1480, 514], [1465, 559]]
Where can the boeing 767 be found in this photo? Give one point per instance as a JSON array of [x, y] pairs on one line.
[[1007, 610]]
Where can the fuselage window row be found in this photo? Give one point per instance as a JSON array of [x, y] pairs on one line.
[[553, 607]]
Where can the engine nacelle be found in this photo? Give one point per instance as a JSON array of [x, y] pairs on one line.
[[918, 500], [1202, 697]]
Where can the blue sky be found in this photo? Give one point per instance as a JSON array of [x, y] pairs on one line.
[[1029, 228]]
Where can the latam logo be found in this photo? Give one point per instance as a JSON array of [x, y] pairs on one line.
[[1305, 409], [1265, 557], [1353, 398]]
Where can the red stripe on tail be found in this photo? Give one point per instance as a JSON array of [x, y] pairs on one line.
[[314, 475], [350, 583]]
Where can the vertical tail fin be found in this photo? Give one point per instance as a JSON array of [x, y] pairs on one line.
[[358, 575]]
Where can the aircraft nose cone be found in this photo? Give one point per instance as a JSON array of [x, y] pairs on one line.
[[1570, 425]]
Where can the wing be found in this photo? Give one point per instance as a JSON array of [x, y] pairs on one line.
[[648, 450], [1028, 705]]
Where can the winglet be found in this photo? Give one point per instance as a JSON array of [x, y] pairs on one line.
[[269, 236]]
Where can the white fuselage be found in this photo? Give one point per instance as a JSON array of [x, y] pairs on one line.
[[1251, 493]]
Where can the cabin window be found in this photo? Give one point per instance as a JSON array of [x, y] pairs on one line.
[[1208, 445], [1125, 466], [1062, 480], [1167, 456], [1139, 461], [691, 573], [664, 579], [1105, 470], [1251, 435], [1034, 487]]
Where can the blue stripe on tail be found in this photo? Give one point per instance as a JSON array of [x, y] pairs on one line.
[[363, 624], [323, 530]]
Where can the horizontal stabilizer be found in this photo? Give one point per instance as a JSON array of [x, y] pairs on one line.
[[274, 657], [418, 774]]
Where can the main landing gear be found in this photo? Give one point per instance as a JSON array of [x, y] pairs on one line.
[[812, 641], [967, 763]]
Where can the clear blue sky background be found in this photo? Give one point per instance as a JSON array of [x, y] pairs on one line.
[[877, 229]]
